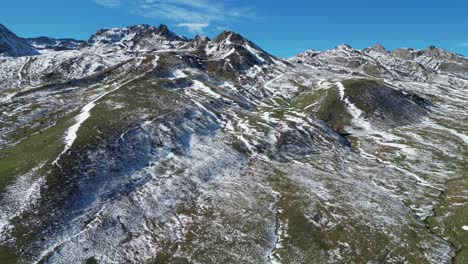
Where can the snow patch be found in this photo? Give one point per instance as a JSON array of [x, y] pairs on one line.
[[255, 53], [177, 74], [19, 198], [199, 86], [357, 113], [71, 133]]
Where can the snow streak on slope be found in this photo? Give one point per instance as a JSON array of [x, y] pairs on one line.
[[18, 199], [71, 133], [357, 113]]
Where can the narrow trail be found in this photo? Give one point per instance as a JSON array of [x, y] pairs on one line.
[[20, 72]]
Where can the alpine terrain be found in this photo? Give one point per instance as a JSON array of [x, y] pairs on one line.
[[143, 146]]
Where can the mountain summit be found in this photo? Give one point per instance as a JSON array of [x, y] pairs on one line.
[[141, 37]]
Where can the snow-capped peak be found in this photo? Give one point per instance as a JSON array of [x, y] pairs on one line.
[[140, 37], [231, 43], [344, 47]]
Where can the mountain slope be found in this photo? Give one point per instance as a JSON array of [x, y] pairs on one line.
[[13, 46], [141, 146]]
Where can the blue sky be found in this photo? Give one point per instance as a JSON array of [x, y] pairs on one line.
[[283, 28]]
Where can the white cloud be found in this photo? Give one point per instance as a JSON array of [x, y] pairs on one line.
[[109, 3], [193, 14], [194, 27], [463, 44]]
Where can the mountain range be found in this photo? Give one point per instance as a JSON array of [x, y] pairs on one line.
[[143, 146]]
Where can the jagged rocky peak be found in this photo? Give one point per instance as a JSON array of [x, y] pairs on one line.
[[47, 43], [406, 53], [308, 54], [231, 44], [200, 41], [344, 47], [139, 36], [14, 46], [377, 48], [163, 30], [441, 54], [231, 37], [230, 56]]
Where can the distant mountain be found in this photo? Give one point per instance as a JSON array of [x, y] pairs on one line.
[[12, 45], [399, 64], [46, 43], [142, 146], [140, 37]]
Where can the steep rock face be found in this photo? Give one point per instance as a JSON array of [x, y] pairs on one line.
[[13, 46], [230, 55], [229, 44], [198, 43], [376, 48]]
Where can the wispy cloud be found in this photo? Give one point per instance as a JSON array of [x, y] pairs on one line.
[[194, 27], [463, 44], [109, 3], [195, 15]]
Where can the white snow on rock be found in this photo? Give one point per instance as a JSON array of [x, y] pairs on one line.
[[19, 197]]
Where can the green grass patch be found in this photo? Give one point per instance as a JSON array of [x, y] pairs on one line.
[[452, 215], [306, 99], [140, 100], [29, 153], [373, 70], [334, 111], [357, 83]]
